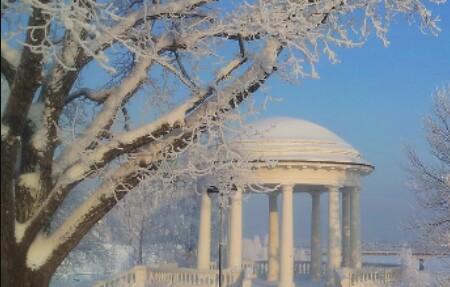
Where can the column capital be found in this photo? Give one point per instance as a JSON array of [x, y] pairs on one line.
[[239, 188], [315, 193], [346, 188], [333, 187], [287, 186], [355, 188], [236, 194], [273, 193]]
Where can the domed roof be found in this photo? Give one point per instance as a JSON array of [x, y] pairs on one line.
[[291, 139]]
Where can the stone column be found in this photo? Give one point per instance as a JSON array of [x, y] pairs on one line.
[[204, 234], [287, 239], [140, 276], [272, 274], [346, 228], [316, 251], [355, 229], [235, 235], [334, 233]]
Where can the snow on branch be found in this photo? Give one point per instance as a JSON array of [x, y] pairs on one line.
[[151, 33], [126, 25], [105, 118], [78, 223], [10, 61], [124, 142], [184, 78], [115, 97], [98, 97], [127, 176], [319, 20], [96, 26], [10, 55]]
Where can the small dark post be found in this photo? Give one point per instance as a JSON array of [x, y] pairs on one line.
[[421, 266], [211, 190], [220, 238]]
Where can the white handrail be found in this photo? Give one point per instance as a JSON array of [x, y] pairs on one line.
[[349, 277], [191, 277], [143, 276]]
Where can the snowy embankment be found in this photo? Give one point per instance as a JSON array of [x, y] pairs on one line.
[[436, 271], [433, 276]]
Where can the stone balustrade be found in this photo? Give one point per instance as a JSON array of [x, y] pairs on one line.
[[257, 268], [143, 276], [260, 267], [302, 267], [135, 277], [182, 277], [374, 273]]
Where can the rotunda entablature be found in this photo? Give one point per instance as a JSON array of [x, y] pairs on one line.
[[304, 173]]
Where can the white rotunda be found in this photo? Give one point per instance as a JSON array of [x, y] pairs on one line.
[[309, 158]]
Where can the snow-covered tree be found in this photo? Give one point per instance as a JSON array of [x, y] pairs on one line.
[[150, 225], [411, 276], [153, 220], [105, 93], [431, 181]]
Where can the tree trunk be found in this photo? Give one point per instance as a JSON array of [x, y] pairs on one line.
[[19, 275], [31, 279], [8, 149], [14, 272]]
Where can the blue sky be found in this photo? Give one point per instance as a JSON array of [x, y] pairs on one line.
[[376, 99]]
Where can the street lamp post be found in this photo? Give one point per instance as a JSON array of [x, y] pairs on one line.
[[211, 190]]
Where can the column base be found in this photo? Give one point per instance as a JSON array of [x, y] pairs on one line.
[[286, 284], [272, 278], [315, 278]]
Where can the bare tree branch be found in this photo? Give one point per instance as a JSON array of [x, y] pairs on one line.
[[184, 78], [173, 138], [98, 97], [175, 8]]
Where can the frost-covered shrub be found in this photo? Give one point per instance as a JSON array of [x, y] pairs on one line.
[[411, 276]]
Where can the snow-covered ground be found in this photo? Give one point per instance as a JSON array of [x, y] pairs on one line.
[[433, 266]]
